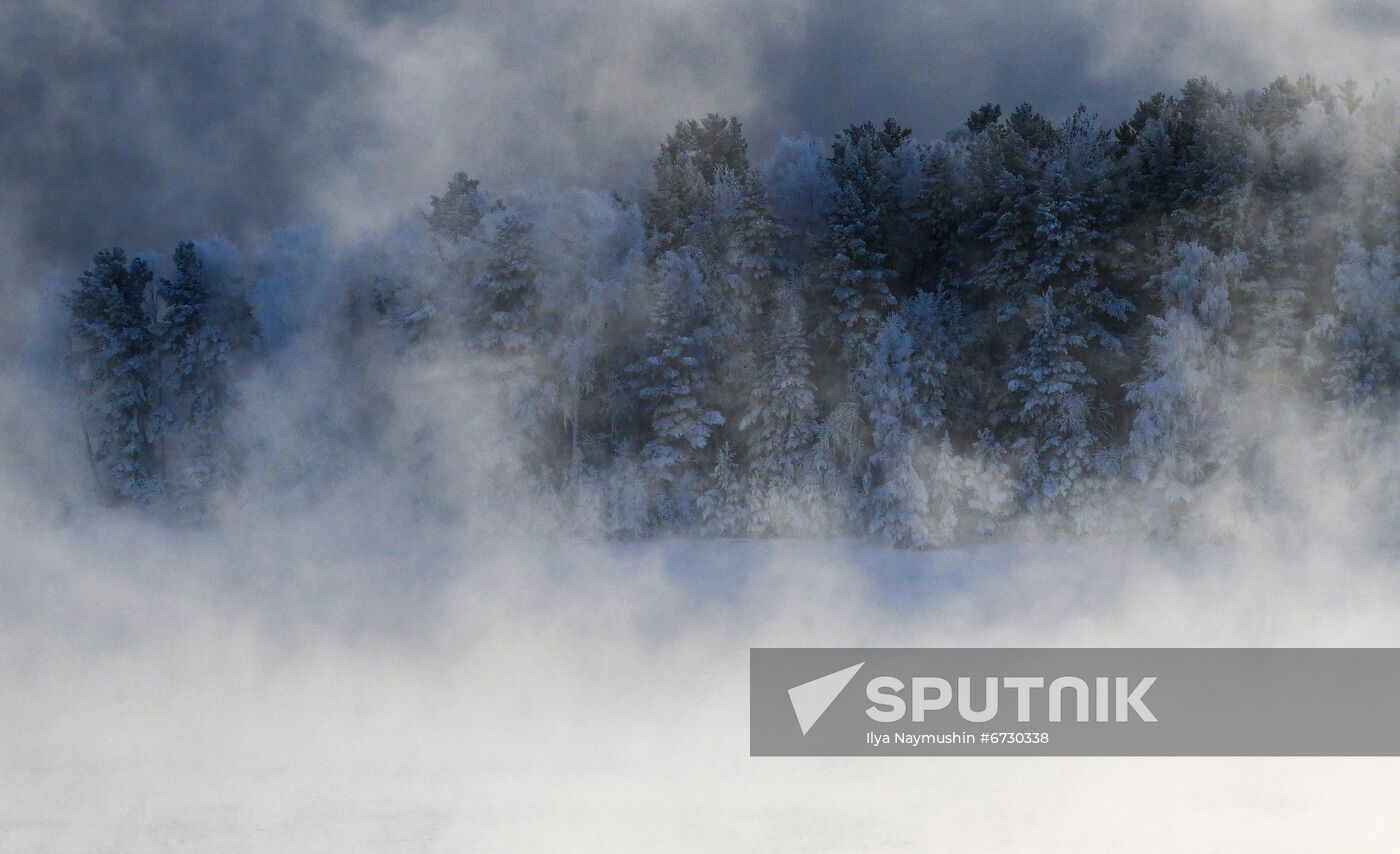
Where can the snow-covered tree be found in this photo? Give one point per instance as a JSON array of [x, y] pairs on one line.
[[782, 415], [937, 327], [989, 490], [913, 341], [1184, 395], [194, 353], [1361, 338], [670, 379], [739, 254], [856, 277], [1055, 406], [684, 175], [723, 504], [112, 320], [830, 477], [506, 321], [508, 328], [896, 496], [457, 213], [800, 189], [740, 245]]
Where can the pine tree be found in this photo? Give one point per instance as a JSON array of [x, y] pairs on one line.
[[983, 117], [751, 264], [989, 489], [896, 496], [832, 475], [684, 175], [1059, 320], [1032, 127], [194, 353], [738, 253], [708, 204], [1054, 396], [857, 276], [940, 218], [457, 213], [1361, 370], [1000, 223], [798, 183], [1073, 212], [506, 321], [1215, 173], [946, 478], [937, 327], [670, 380], [507, 326], [112, 321], [723, 504], [1181, 432], [781, 419]]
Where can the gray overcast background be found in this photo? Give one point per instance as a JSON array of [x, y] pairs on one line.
[[138, 122]]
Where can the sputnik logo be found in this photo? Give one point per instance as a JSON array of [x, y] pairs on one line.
[[810, 700]]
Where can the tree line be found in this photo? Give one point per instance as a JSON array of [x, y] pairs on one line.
[[919, 342]]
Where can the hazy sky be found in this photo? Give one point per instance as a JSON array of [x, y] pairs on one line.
[[139, 122]]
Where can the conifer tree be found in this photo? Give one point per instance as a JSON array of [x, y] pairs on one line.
[[510, 328], [112, 321], [1181, 432], [1360, 338], [1054, 396], [983, 117], [989, 489], [738, 252], [895, 495], [752, 248], [782, 415], [1001, 319], [723, 504], [194, 354], [670, 379], [684, 175], [707, 203], [946, 478], [858, 276], [507, 291], [457, 213]]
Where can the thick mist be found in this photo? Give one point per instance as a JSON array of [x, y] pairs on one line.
[[307, 684], [145, 123], [385, 635]]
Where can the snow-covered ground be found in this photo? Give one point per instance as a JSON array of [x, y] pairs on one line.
[[273, 693]]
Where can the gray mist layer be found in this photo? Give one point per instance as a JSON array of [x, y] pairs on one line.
[[140, 123]]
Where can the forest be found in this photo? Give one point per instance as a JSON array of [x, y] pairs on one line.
[[1031, 321]]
